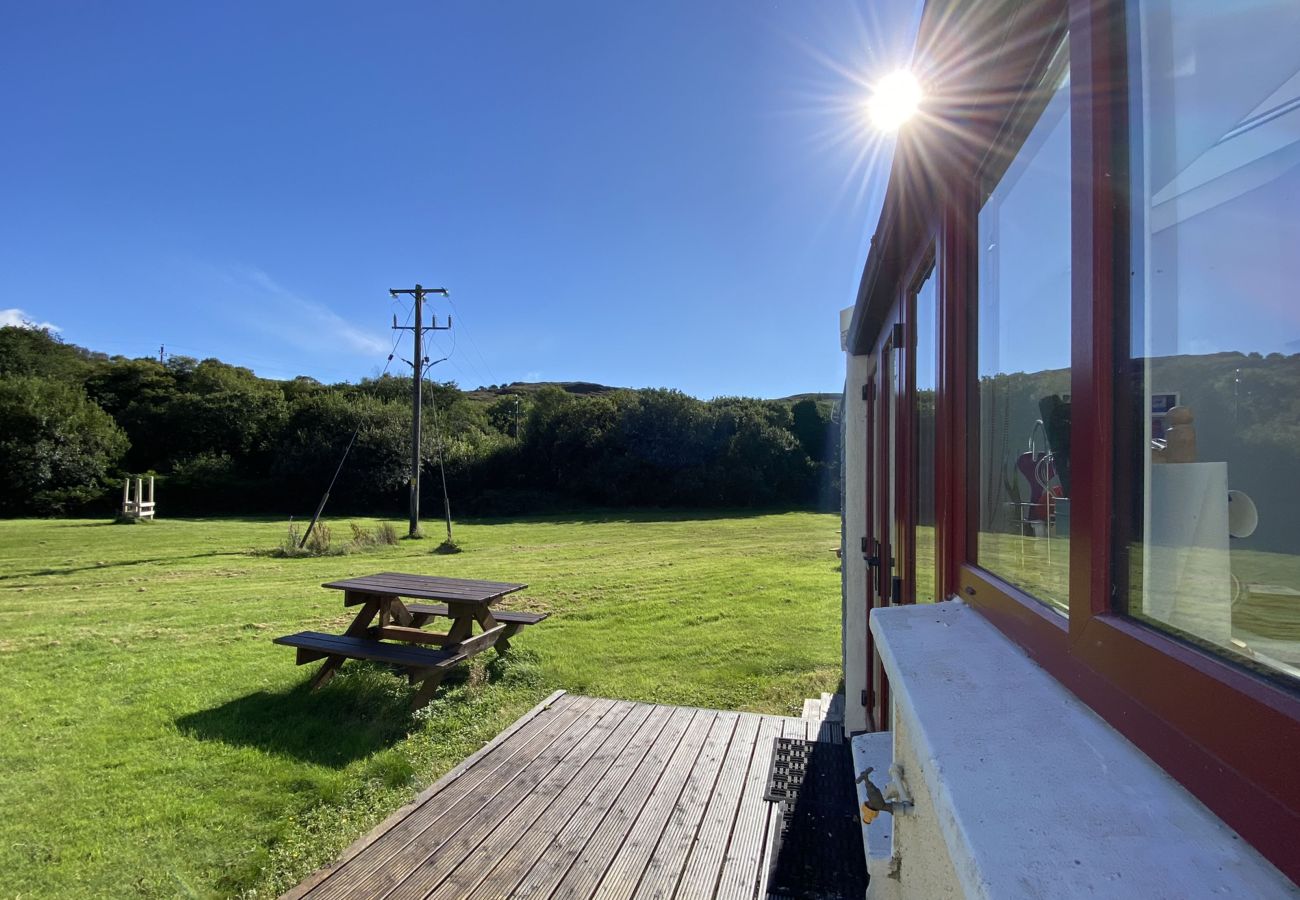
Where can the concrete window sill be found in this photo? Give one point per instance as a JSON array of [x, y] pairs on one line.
[[1032, 793]]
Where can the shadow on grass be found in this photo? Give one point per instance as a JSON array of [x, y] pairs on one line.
[[363, 710], [627, 515], [72, 570]]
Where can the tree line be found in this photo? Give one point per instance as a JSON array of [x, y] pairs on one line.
[[221, 440]]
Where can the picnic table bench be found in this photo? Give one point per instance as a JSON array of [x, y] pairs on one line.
[[385, 617]]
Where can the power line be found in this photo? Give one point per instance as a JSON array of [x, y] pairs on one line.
[[465, 376], [442, 466], [417, 362], [472, 343], [320, 507]]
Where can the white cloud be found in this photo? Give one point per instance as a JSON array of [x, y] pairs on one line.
[[324, 327], [20, 319]]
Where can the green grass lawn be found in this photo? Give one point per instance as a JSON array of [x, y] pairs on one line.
[[154, 742]]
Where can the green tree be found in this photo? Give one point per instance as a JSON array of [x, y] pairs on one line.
[[57, 448], [810, 424], [318, 431], [38, 351], [505, 412]]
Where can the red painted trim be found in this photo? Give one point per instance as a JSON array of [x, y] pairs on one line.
[[882, 515], [870, 536], [904, 451], [957, 393], [906, 504], [1222, 731], [1195, 714], [944, 452], [1096, 226]]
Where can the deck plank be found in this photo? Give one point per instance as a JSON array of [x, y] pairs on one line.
[[380, 867], [526, 739], [666, 863], [740, 867], [517, 842], [829, 733], [791, 728], [700, 877], [633, 774], [585, 873], [606, 773], [836, 709], [525, 725], [441, 860], [624, 873], [585, 798]]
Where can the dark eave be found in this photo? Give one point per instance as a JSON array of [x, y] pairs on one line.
[[976, 76]]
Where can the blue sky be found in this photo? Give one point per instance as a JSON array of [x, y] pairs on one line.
[[673, 194]]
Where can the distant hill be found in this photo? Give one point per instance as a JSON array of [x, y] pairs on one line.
[[491, 392], [219, 439], [591, 388], [795, 398]]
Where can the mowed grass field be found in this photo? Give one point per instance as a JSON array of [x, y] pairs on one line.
[[154, 742]]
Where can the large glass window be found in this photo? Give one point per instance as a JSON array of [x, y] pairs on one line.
[[1213, 464], [925, 355], [1023, 354]]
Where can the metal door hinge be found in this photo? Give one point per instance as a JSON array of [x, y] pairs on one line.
[[873, 560]]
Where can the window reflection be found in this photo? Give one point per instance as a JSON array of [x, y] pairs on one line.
[[1215, 330], [1023, 357], [925, 354]]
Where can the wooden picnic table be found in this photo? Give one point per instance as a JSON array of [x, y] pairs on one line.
[[385, 615]]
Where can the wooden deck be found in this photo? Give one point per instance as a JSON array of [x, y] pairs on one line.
[[585, 797]]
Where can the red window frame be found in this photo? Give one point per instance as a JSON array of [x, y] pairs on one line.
[[908, 503], [892, 512], [1213, 726]]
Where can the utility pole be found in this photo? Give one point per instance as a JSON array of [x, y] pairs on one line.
[[417, 377]]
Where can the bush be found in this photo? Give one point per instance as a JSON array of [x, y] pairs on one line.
[[57, 447], [222, 441]]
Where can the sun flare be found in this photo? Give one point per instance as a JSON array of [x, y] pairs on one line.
[[894, 100]]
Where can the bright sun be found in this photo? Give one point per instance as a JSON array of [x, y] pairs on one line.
[[894, 100]]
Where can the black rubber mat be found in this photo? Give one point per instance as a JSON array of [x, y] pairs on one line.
[[817, 853], [786, 773]]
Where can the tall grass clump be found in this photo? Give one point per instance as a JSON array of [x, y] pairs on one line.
[[319, 542], [382, 535]]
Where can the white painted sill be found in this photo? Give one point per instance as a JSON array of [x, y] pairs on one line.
[[1035, 795]]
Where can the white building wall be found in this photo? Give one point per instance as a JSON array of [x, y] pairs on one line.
[[853, 567]]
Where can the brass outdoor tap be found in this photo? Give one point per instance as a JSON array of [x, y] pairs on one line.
[[876, 802], [898, 799]]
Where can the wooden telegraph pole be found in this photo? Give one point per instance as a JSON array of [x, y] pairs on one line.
[[417, 364]]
